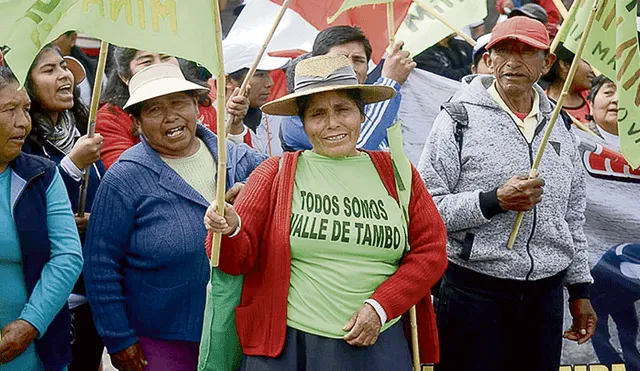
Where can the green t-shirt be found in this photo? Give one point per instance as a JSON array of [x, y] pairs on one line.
[[347, 237]]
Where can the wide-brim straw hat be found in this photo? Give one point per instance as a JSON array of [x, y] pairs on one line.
[[158, 80], [322, 74]]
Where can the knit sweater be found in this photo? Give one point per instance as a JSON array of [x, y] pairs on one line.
[[146, 272], [262, 252], [462, 177]]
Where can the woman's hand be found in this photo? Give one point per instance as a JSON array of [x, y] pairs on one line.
[[233, 193], [86, 151], [237, 107], [129, 359], [82, 223], [364, 327], [226, 224], [16, 338]]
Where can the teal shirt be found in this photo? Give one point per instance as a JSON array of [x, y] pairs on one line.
[[58, 276]]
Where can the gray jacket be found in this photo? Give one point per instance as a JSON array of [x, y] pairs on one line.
[[493, 149]]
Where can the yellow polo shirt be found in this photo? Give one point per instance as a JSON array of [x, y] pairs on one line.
[[528, 126]]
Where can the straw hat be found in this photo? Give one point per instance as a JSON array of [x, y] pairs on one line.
[[158, 80], [322, 74]]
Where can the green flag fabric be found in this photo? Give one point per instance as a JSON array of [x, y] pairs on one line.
[[420, 30], [612, 48], [180, 28], [348, 4]]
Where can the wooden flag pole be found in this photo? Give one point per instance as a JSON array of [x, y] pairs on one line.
[[222, 134], [414, 338], [562, 9], [391, 26], [566, 26], [91, 129], [254, 66], [556, 113], [437, 16]]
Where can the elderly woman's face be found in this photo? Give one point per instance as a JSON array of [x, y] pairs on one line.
[[517, 66], [53, 82], [332, 122], [168, 123], [15, 122], [605, 108]]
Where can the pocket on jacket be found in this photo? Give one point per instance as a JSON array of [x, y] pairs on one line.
[[250, 332], [467, 246], [163, 310]]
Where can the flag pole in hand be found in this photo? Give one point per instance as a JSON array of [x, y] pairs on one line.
[[556, 112], [91, 129], [391, 27], [222, 133], [256, 62]]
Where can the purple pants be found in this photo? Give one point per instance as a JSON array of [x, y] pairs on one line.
[[170, 355]]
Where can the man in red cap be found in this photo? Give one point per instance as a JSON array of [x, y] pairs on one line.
[[502, 309]]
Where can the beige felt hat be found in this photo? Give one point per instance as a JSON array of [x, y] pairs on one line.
[[158, 80], [321, 74]]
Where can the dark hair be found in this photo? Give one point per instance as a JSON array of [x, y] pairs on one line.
[[117, 92], [563, 55], [303, 102], [596, 85], [79, 111], [239, 75], [7, 77], [339, 35]]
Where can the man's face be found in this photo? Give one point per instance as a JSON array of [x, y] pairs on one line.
[[517, 66], [260, 88], [355, 52]]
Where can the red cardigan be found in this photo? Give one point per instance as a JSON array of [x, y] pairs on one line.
[[261, 252], [116, 128]]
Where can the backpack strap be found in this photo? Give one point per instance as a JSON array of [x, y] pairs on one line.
[[458, 113]]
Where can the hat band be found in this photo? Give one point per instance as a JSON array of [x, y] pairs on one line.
[[341, 76]]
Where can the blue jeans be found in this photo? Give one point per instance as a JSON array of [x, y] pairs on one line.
[[487, 323]]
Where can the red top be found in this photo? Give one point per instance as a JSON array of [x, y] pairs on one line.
[[116, 127], [261, 252]]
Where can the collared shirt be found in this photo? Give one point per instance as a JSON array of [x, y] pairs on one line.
[[529, 124]]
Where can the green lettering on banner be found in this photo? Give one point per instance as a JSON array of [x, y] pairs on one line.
[[336, 231], [168, 9], [378, 235], [26, 25], [322, 235], [420, 30], [116, 8], [366, 240]]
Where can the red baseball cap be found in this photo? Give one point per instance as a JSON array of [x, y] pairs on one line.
[[523, 29]]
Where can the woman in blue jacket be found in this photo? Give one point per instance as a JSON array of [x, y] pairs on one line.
[[40, 253], [146, 271], [59, 126]]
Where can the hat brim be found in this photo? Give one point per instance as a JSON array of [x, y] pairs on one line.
[[77, 69], [523, 39], [160, 87], [286, 106]]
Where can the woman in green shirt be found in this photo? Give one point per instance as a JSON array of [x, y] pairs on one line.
[[323, 234]]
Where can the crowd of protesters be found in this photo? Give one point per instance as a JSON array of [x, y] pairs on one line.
[[325, 245]]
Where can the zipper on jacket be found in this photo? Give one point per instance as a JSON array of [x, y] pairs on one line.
[[535, 214]]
